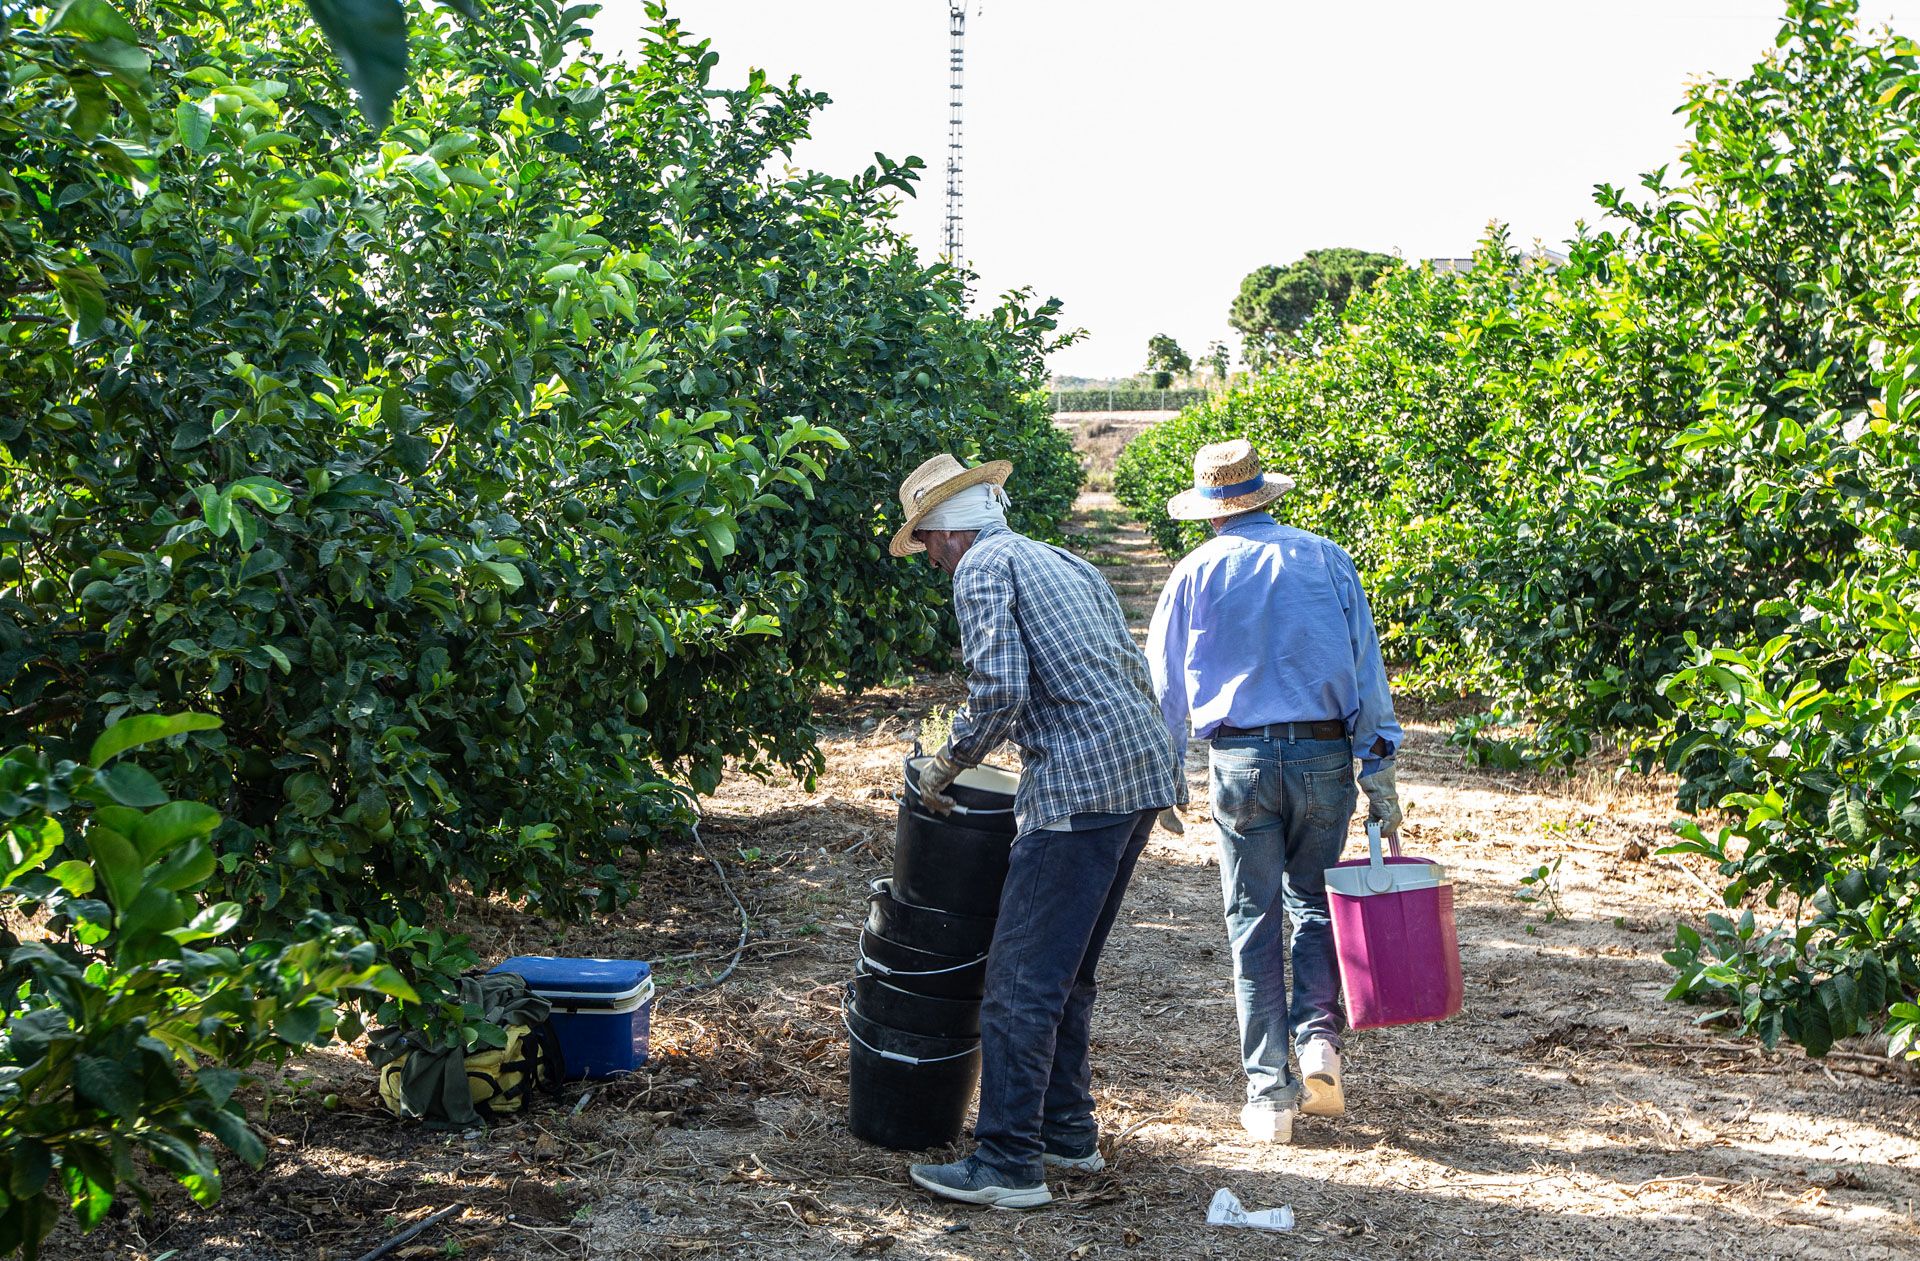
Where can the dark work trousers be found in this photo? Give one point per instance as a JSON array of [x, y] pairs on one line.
[[1063, 890]]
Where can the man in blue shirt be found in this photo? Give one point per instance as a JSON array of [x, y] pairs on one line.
[[1263, 641]]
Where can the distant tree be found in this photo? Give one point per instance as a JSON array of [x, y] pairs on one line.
[[1165, 358], [1275, 301], [1219, 357]]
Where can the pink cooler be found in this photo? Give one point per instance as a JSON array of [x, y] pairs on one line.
[[1393, 931]]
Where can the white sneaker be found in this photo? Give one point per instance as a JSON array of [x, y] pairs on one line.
[[1092, 1162], [1320, 1080], [1267, 1125]]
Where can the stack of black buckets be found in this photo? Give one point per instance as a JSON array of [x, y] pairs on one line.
[[913, 1019]]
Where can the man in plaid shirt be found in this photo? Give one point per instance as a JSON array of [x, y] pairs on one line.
[[1052, 667]]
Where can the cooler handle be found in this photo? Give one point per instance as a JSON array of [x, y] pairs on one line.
[[1379, 879]]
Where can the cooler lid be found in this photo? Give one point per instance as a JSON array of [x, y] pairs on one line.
[[1363, 879], [614, 979], [1380, 872]]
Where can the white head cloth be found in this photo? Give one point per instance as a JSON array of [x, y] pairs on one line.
[[974, 508]]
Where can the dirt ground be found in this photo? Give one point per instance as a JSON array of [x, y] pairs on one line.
[[1569, 1113]]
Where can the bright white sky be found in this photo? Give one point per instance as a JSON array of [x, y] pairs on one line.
[[1137, 158]]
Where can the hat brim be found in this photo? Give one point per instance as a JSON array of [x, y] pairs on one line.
[[1191, 505], [994, 471]]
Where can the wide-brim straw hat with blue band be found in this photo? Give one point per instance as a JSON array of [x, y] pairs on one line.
[[931, 485], [1227, 478]]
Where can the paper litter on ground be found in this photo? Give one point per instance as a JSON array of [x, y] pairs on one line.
[[1227, 1210]]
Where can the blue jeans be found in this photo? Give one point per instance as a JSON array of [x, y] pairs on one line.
[[1282, 808], [1063, 890]]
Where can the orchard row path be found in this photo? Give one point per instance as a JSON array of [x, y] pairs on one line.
[[1570, 1114]]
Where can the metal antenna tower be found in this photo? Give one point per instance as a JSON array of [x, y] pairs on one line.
[[957, 25]]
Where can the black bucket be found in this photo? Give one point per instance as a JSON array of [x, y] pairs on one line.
[[905, 1091], [909, 1012], [936, 975], [926, 927], [939, 863], [982, 796]]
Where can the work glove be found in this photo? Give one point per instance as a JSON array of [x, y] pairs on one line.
[[1383, 800], [1170, 820], [936, 777]]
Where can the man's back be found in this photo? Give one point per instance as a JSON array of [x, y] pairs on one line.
[[1266, 623], [1056, 671]]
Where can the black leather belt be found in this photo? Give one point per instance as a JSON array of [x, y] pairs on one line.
[[1324, 729]]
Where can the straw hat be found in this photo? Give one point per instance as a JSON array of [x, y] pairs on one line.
[[931, 485], [1227, 479]]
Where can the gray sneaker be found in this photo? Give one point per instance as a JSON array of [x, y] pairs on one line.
[[1082, 1159], [971, 1182]]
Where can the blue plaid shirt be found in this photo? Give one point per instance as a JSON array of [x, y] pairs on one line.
[[1052, 668]]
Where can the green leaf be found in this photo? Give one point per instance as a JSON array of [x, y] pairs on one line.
[[269, 140], [240, 1140], [107, 1085], [215, 509], [1840, 997], [245, 529], [1872, 987], [125, 58], [370, 38], [89, 1180], [83, 296], [299, 1025], [718, 532], [131, 786], [272, 497], [193, 123], [221, 917], [507, 575], [1816, 1033], [171, 824], [74, 876], [29, 843], [185, 868], [1847, 815], [144, 729], [32, 1165], [117, 862], [95, 19], [387, 980], [425, 171], [218, 1084]]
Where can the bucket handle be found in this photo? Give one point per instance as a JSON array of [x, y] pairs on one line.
[[900, 798], [884, 970], [1379, 879], [895, 1056]]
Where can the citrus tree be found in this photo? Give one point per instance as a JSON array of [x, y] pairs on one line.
[[487, 482], [494, 478], [131, 1015], [1660, 497]]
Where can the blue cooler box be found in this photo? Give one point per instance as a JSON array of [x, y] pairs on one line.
[[602, 1009]]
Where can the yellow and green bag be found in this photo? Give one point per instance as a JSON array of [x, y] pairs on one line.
[[454, 1087]]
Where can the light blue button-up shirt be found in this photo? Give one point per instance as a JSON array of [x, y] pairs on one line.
[[1264, 623]]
